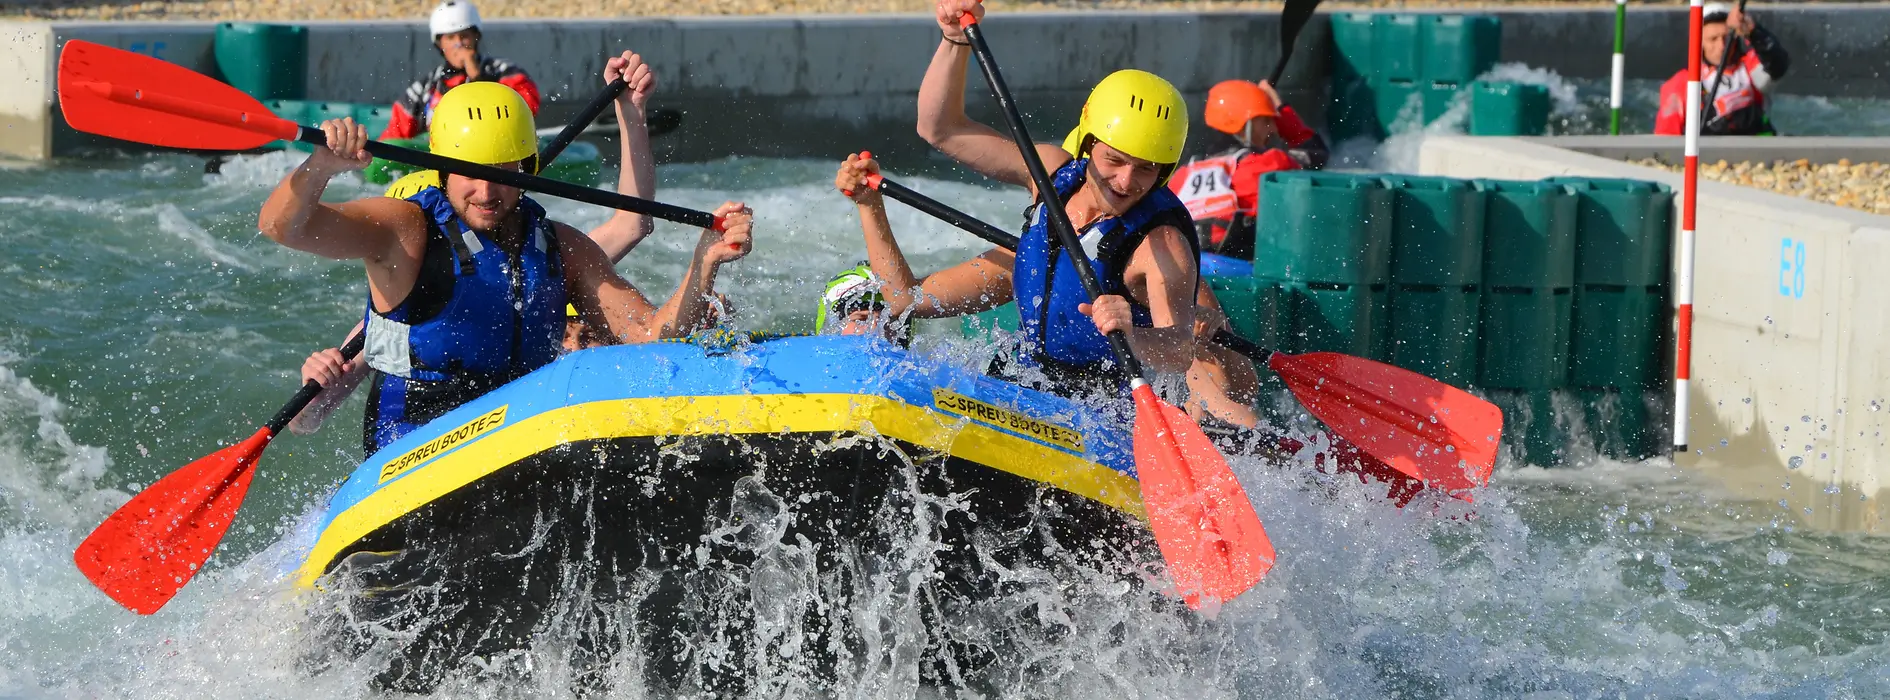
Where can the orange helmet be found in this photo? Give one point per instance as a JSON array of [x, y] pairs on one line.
[[1231, 103]]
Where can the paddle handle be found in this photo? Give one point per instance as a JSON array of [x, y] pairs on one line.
[[1046, 190], [584, 118], [311, 388]]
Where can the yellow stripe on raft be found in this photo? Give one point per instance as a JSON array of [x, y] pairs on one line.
[[720, 415]]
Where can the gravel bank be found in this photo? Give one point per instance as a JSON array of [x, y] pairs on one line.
[[247, 10], [1864, 186]]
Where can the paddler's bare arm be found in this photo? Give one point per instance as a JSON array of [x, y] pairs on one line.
[[369, 229], [1162, 274], [637, 174], [605, 299], [980, 284], [942, 119]]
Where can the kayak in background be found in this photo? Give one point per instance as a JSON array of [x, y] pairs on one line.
[[1215, 265]]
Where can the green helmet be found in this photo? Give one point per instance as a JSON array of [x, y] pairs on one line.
[[853, 289]]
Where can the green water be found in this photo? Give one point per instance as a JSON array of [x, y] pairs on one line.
[[143, 322]]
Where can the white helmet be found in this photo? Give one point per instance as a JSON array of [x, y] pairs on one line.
[[453, 16], [1715, 12]]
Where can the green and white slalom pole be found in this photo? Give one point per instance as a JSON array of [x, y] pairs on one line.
[[1620, 68]]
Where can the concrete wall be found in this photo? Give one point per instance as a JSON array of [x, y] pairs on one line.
[[1788, 360], [786, 86], [818, 85]]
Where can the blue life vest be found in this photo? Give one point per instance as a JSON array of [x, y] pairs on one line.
[[477, 317], [1047, 297]]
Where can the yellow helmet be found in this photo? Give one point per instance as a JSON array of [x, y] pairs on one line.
[[484, 122], [1138, 113], [1074, 142], [411, 184]]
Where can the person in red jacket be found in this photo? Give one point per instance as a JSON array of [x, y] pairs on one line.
[[1739, 107], [1222, 191], [455, 28]]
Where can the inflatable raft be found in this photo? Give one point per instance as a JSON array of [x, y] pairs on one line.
[[632, 459]]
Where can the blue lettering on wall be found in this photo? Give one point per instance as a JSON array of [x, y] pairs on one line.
[[1791, 268]]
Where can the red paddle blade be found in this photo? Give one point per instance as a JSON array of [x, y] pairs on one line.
[[90, 74], [149, 548], [1427, 429], [1209, 535]]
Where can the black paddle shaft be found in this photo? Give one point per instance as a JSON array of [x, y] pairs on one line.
[[583, 120], [991, 234], [1292, 19], [310, 389], [513, 178], [998, 237], [1047, 192]]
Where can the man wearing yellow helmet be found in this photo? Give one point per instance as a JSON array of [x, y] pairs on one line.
[[617, 236], [468, 281], [1136, 233]]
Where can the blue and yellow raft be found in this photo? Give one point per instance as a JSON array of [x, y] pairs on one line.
[[655, 435]]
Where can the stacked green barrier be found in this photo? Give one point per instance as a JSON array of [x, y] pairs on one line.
[[1352, 111], [1390, 68], [1528, 280], [1617, 352], [987, 324], [268, 61], [1508, 109], [1436, 276], [1325, 255]]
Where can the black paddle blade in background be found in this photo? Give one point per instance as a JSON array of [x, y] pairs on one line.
[[1292, 20]]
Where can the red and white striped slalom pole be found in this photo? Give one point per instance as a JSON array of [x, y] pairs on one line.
[[1689, 206]]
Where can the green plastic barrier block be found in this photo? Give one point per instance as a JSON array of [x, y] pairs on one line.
[[1458, 48], [268, 61], [1353, 111], [1256, 308], [1623, 229], [1436, 230], [1351, 46], [1438, 98], [1239, 301], [985, 325], [1525, 338], [1433, 331], [1508, 109], [1323, 227], [1530, 432], [1616, 337], [1337, 318], [1398, 105], [1398, 47], [374, 116], [1528, 234], [1622, 425]]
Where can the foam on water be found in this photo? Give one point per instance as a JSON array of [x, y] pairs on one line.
[[1604, 579]]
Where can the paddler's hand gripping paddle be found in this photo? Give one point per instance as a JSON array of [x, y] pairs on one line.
[[1429, 432], [1208, 532], [129, 96], [145, 552]]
